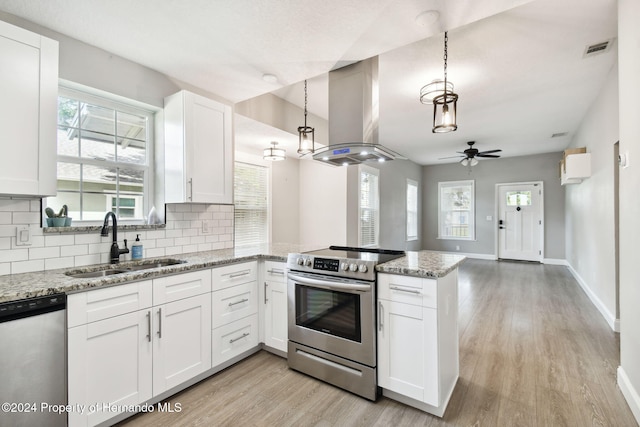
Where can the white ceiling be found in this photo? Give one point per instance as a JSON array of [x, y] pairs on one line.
[[517, 65]]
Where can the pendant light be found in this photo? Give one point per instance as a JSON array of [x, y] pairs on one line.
[[274, 153], [440, 94], [306, 144]]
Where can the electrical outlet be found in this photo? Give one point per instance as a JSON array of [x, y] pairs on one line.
[[206, 227], [23, 235], [457, 248]]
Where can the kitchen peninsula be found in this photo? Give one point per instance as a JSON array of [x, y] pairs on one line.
[[417, 295]]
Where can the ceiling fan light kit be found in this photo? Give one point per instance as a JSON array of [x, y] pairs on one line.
[[470, 155]]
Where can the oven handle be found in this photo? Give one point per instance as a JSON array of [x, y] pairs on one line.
[[319, 283]]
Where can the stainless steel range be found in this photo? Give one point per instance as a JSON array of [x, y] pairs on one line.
[[332, 316]]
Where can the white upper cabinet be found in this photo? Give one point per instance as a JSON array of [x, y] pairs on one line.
[[28, 107], [198, 150]]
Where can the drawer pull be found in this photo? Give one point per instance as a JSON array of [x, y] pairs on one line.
[[246, 334], [276, 271], [242, 273], [149, 326], [231, 304], [410, 291]]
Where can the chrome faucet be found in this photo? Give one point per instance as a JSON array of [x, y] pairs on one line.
[[115, 250]]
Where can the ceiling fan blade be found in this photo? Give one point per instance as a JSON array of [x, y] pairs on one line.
[[450, 157], [490, 151], [493, 156]]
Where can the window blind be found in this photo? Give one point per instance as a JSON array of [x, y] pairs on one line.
[[369, 207], [412, 210], [251, 216]]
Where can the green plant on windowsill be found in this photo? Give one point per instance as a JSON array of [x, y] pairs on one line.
[[60, 219]]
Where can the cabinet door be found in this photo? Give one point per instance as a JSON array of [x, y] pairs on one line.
[[275, 315], [109, 362], [28, 107], [181, 342], [209, 156], [408, 350]]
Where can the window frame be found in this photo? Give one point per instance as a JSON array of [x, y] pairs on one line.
[[471, 219], [376, 210], [412, 237], [100, 98]]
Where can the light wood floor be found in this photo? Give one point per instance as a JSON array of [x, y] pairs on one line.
[[534, 351]]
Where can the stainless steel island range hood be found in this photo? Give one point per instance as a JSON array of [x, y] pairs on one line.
[[353, 117]]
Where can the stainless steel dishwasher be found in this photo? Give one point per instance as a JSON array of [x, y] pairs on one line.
[[33, 366]]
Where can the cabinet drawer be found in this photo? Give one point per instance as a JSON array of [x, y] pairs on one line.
[[235, 274], [275, 271], [234, 303], [408, 290], [233, 339], [180, 286], [99, 304]]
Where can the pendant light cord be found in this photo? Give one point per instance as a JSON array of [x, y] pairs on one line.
[[446, 39], [305, 103]]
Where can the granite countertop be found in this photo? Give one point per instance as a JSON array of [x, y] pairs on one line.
[[422, 264], [28, 285]]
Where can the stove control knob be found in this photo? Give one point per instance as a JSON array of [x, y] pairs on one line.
[[353, 267], [300, 261], [362, 268], [307, 262], [344, 266]]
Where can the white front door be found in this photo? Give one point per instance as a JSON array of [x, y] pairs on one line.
[[520, 221]]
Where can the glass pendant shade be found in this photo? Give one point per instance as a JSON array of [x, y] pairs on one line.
[[274, 153], [306, 143], [445, 108]]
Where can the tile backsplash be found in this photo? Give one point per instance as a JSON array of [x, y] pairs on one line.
[[189, 228]]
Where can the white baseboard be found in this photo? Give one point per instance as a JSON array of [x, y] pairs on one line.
[[489, 257], [629, 393], [555, 261], [608, 316]]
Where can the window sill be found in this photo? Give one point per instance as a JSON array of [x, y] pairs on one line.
[[97, 228]]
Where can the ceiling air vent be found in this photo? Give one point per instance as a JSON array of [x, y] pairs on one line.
[[559, 134], [598, 48]]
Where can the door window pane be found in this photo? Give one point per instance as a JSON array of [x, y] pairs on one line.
[[518, 198]]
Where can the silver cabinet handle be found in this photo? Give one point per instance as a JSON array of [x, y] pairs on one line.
[[149, 326], [160, 323], [410, 291], [231, 304], [191, 189], [265, 292], [276, 271], [242, 273], [239, 338], [380, 315]]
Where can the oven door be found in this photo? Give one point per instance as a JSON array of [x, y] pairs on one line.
[[334, 315]]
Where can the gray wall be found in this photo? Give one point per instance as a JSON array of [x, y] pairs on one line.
[[488, 173], [393, 202]]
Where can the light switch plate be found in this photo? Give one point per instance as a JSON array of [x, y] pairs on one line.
[[23, 235]]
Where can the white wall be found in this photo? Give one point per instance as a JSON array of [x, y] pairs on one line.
[[629, 75], [323, 204], [589, 206], [285, 199]]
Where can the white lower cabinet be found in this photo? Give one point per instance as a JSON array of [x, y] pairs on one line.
[[235, 326], [127, 358], [418, 339], [275, 306]]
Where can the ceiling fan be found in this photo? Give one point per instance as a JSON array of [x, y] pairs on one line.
[[469, 155]]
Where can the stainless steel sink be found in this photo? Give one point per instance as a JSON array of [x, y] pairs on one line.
[[126, 268]]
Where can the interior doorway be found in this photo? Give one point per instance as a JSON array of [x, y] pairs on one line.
[[520, 232]]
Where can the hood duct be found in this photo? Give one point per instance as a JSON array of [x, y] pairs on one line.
[[353, 117]]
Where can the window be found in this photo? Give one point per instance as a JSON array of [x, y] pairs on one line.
[[104, 151], [456, 213], [369, 206], [250, 186], [518, 198], [412, 210]]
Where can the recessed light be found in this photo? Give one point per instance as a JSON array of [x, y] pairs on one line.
[[426, 18]]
